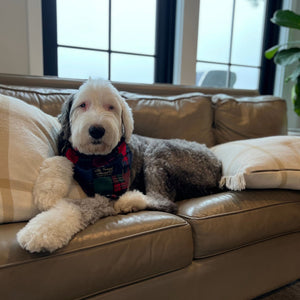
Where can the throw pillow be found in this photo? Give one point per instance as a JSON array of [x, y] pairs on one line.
[[270, 162], [27, 137]]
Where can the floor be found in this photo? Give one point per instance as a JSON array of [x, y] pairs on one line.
[[288, 292]]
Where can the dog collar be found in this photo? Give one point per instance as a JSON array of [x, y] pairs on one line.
[[107, 175]]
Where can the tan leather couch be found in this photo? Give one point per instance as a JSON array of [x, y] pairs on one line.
[[231, 245]]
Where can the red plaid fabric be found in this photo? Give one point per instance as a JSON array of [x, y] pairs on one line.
[[107, 175]]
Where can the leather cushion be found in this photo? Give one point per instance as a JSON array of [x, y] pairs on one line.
[[248, 117], [267, 266], [230, 220], [49, 100], [186, 116], [113, 252]]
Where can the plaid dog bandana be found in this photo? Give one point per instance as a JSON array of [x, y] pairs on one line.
[[107, 175]]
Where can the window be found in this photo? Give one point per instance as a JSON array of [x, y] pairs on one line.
[[233, 57], [133, 41], [113, 39]]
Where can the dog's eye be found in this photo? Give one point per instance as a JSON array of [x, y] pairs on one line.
[[109, 107], [82, 105]]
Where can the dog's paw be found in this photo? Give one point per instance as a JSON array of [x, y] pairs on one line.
[[35, 238], [52, 229], [130, 202], [53, 182]]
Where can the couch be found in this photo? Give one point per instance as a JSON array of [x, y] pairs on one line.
[[228, 245]]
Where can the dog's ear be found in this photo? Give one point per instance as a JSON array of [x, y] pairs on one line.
[[127, 120], [64, 119]]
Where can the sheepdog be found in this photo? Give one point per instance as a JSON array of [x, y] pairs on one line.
[[120, 172]]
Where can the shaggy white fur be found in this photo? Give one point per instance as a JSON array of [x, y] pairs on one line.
[[51, 229], [53, 182], [131, 201], [97, 104]]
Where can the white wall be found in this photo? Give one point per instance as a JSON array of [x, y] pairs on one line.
[[35, 37], [21, 37], [13, 37], [186, 35]]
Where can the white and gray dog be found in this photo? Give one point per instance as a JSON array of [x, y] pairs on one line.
[[119, 171]]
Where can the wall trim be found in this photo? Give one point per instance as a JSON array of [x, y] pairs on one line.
[[35, 40]]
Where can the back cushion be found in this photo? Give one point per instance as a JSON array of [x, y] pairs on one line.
[[49, 100], [248, 117], [187, 116]]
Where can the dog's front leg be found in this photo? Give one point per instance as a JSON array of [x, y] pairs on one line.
[[54, 228], [53, 182], [51, 229], [93, 209]]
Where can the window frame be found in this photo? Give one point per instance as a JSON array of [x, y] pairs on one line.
[[271, 38]]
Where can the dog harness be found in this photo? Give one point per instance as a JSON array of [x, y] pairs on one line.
[[107, 175]]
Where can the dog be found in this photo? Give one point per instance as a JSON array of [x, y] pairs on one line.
[[126, 173]]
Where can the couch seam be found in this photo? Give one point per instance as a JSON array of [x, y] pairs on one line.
[[136, 235], [236, 212], [220, 103], [207, 97], [33, 91], [132, 282], [248, 244]]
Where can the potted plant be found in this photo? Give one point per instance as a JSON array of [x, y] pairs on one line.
[[288, 53]]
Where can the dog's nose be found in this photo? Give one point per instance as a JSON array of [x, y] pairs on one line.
[[96, 132]]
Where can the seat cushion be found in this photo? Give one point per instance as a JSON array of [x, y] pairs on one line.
[[230, 220], [113, 252]]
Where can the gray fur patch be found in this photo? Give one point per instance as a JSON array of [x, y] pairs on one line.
[[171, 170]]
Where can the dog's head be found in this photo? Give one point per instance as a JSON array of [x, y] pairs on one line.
[[95, 118]]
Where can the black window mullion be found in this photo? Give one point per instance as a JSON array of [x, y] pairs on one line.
[[49, 37], [165, 37], [271, 38], [228, 79], [109, 40]]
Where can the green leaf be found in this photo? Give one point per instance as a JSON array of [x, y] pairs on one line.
[[296, 96], [294, 75], [287, 56], [286, 18], [269, 54]]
